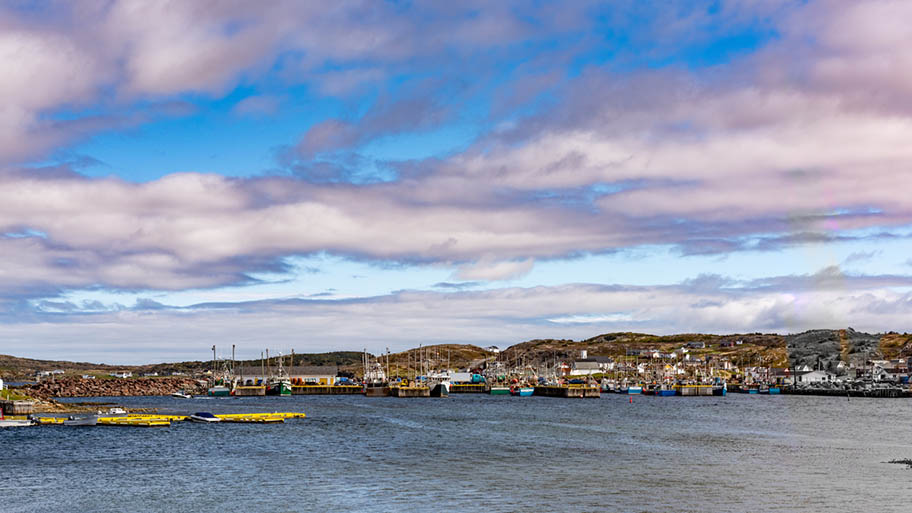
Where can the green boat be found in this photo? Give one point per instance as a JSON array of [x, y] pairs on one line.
[[500, 390], [219, 391], [280, 387]]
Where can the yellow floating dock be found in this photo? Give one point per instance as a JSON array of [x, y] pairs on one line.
[[156, 420]]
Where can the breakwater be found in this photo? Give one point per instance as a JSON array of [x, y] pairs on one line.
[[114, 387]]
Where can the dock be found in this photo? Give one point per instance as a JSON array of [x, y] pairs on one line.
[[694, 390], [157, 420], [410, 392], [568, 391], [467, 388], [249, 391], [326, 389]]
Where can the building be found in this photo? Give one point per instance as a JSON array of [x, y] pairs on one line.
[[585, 368], [696, 345], [816, 376], [122, 374]]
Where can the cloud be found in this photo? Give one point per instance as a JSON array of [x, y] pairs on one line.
[[490, 317], [257, 105], [489, 270]]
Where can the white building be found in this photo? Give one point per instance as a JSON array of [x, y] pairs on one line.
[[817, 376], [122, 374]]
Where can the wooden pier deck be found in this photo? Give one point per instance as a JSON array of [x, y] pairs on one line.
[[467, 388]]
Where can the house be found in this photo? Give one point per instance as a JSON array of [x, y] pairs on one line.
[[88, 376], [817, 376], [122, 374], [149, 374], [493, 349], [585, 368], [696, 345]]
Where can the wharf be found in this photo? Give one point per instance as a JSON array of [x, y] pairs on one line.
[[569, 391], [694, 390], [410, 392], [326, 389], [830, 392], [467, 388], [377, 391], [249, 391]]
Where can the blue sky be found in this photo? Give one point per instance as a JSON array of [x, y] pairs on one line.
[[392, 174]]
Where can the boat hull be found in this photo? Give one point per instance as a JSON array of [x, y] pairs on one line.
[[500, 391], [634, 390], [522, 391], [440, 390], [219, 391], [665, 393]]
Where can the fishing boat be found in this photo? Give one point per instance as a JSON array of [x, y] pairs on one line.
[[90, 420], [665, 391], [16, 422], [180, 394], [279, 386], [219, 391], [522, 391], [774, 390], [720, 390], [204, 417], [635, 389], [500, 390]]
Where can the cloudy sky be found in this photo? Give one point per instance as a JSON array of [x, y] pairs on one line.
[[349, 175]]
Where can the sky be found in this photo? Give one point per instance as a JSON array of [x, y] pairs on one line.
[[381, 174]]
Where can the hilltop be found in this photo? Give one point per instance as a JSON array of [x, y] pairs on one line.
[[824, 347]]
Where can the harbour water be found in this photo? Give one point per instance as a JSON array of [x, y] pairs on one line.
[[475, 453]]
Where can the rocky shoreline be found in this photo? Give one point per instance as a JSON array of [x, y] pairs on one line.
[[80, 387]]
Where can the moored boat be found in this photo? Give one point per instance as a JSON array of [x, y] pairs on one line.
[[181, 395], [204, 417], [90, 420], [219, 391], [521, 391], [635, 389], [16, 423], [500, 390]]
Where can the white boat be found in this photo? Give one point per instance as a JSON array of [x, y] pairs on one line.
[[16, 423], [180, 394], [91, 420], [204, 416]]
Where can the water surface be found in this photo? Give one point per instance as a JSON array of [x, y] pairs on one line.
[[475, 453]]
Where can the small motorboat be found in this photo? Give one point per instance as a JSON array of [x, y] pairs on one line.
[[204, 416], [182, 395], [16, 423], [90, 420]]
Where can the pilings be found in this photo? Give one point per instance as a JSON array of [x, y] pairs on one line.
[[568, 391], [326, 390], [831, 392], [249, 391], [17, 407], [410, 392], [694, 390], [467, 388]]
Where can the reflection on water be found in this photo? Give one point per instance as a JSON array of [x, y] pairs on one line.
[[475, 453]]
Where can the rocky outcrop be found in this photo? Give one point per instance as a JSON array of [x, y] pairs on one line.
[[80, 387], [824, 349]]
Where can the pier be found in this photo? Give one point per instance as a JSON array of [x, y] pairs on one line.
[[249, 391], [568, 391], [410, 392], [156, 420], [833, 392], [694, 390], [326, 389], [467, 388]]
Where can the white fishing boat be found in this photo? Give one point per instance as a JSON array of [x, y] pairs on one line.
[[204, 417], [16, 423], [180, 394]]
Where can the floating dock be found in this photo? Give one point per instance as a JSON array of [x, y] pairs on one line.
[[156, 420], [568, 391], [326, 389]]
